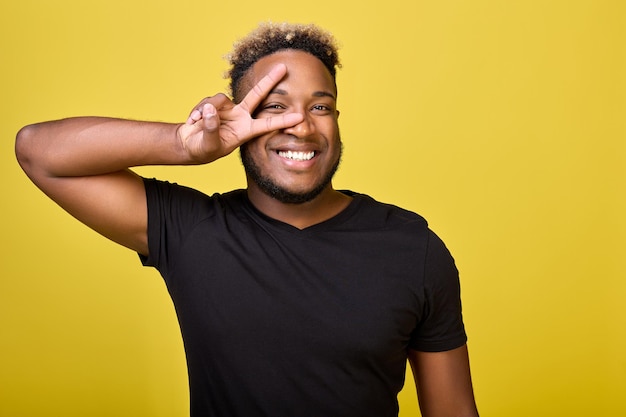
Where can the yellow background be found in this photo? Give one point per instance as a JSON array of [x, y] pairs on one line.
[[502, 122]]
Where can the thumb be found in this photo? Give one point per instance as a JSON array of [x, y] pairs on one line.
[[210, 119]]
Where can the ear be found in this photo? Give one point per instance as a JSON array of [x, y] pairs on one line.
[[337, 112]]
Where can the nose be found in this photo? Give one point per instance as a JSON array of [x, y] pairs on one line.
[[303, 129]]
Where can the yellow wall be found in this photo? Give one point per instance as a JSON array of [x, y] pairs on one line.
[[502, 122]]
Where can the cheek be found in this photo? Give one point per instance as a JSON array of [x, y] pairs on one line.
[[328, 128], [335, 134], [255, 148]]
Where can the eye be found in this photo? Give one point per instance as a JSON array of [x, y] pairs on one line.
[[322, 108], [271, 108]]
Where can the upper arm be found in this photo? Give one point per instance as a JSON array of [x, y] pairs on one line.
[[443, 382], [113, 205]]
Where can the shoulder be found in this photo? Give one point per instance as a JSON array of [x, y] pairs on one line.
[[168, 200], [385, 214], [171, 190], [165, 190]]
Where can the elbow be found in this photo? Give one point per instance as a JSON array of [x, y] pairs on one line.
[[24, 146], [31, 151]]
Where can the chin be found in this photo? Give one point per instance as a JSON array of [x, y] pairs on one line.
[[288, 196], [279, 192]]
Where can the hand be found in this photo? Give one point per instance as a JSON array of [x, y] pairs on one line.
[[217, 126]]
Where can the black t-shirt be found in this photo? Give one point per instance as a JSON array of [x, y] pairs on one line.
[[278, 321]]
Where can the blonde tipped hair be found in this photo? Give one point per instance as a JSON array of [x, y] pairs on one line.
[[270, 37]]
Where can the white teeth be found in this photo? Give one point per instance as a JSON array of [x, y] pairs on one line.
[[297, 156]]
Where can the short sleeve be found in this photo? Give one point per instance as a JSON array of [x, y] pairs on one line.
[[441, 327], [173, 210]]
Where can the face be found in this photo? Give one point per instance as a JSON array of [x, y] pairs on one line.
[[296, 164]]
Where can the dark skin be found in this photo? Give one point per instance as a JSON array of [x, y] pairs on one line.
[[443, 382], [83, 164], [307, 89]]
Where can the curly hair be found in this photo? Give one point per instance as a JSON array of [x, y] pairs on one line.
[[269, 38]]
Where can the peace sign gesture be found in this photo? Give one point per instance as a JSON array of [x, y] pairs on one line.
[[217, 125]]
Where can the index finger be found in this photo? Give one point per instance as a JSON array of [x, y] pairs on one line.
[[261, 89]]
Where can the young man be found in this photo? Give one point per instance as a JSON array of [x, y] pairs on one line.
[[294, 299]]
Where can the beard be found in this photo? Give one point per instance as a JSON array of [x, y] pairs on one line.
[[282, 194]]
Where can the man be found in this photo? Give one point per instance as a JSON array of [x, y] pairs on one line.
[[294, 299]]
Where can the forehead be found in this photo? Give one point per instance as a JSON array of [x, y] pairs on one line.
[[304, 71]]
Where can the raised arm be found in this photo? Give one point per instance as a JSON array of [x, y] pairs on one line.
[[444, 384], [82, 163]]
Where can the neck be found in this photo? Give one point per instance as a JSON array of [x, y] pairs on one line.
[[327, 204]]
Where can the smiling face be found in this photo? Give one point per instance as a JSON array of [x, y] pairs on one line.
[[295, 165]]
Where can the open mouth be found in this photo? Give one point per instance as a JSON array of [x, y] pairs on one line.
[[297, 156]]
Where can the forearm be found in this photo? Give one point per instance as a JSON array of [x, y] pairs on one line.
[[91, 146]]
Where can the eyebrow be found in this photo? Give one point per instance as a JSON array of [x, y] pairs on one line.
[[282, 92]]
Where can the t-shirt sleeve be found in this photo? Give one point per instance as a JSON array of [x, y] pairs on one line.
[[173, 211], [441, 327]]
